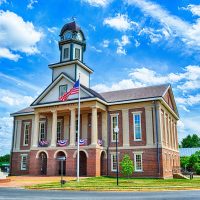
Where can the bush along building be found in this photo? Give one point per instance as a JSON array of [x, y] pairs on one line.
[[146, 118]]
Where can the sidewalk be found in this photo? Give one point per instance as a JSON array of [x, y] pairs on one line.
[[21, 181]]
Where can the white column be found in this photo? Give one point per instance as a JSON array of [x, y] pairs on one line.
[[104, 128], [72, 127], [149, 125], [54, 129], [125, 127], [36, 130], [94, 134]]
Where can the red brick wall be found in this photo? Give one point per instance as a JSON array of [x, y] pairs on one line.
[[131, 127]]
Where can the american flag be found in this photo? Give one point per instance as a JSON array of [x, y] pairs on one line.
[[74, 90]]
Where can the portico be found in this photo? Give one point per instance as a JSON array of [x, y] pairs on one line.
[[91, 114]]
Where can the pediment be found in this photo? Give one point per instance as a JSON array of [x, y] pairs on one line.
[[51, 93]]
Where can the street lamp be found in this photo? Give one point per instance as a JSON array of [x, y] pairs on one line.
[[62, 159], [116, 129]]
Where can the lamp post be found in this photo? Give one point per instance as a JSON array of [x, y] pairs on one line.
[[116, 129], [61, 159]]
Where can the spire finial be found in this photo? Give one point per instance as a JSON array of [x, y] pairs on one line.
[[73, 18]]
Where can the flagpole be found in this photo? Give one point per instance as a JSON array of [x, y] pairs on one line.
[[78, 154]]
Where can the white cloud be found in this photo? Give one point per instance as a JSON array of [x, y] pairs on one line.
[[195, 9], [189, 100], [26, 38], [105, 43], [52, 29], [2, 1], [6, 53], [95, 49], [20, 83], [123, 84], [14, 99], [92, 27], [186, 32], [98, 3], [31, 3], [120, 22], [6, 125], [121, 44]]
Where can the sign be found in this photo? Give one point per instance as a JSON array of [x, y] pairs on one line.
[[116, 129], [61, 158]]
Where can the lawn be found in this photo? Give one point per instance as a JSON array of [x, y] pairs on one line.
[[132, 184]]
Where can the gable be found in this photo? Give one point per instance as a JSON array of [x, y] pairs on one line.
[[169, 99], [51, 93]]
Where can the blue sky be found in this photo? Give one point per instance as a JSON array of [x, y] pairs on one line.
[[130, 43]]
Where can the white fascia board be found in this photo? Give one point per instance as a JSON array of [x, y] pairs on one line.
[[21, 114], [71, 62]]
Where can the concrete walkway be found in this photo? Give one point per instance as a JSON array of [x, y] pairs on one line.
[[21, 181]]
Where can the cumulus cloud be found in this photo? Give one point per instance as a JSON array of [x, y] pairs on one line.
[[121, 44], [95, 49], [105, 43], [120, 22], [123, 84], [6, 53], [16, 35], [98, 3], [31, 4], [14, 99], [6, 125], [195, 9], [2, 1], [188, 33]]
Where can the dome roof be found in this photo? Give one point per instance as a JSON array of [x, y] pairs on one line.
[[72, 26]]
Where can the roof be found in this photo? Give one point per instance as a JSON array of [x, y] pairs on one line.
[[72, 26], [135, 93], [117, 96], [188, 151], [24, 111]]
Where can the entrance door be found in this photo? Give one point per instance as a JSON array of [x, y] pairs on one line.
[[43, 163], [83, 164]]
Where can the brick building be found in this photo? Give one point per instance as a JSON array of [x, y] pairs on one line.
[[146, 118]]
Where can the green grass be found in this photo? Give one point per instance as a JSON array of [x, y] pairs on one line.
[[132, 184]]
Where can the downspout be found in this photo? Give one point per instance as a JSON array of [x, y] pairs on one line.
[[108, 139], [157, 141], [12, 146]]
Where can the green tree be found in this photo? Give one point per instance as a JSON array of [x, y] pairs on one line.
[[190, 141], [127, 166], [185, 164], [5, 158]]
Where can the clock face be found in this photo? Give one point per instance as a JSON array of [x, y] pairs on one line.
[[68, 35], [79, 36]]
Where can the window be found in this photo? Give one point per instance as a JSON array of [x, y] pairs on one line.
[[77, 53], [66, 53], [114, 123], [113, 163], [138, 162], [26, 133], [24, 162], [42, 131], [62, 90], [59, 129], [137, 126]]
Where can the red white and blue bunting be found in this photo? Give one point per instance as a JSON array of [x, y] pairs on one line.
[[62, 143]]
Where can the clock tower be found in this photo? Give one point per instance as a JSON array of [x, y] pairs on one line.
[[72, 42], [72, 46]]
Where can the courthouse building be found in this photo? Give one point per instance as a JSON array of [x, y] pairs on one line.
[[146, 118]]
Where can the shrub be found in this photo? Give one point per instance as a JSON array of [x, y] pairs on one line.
[[127, 166]]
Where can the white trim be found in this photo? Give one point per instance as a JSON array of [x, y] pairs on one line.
[[40, 151], [22, 168], [134, 131], [72, 62], [24, 124], [112, 128], [136, 170], [45, 131], [112, 155]]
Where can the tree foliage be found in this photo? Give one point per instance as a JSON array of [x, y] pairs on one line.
[[5, 158], [127, 166], [190, 141]]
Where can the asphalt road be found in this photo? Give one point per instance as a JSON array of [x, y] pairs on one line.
[[21, 194]]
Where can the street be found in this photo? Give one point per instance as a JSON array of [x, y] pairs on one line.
[[21, 194]]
